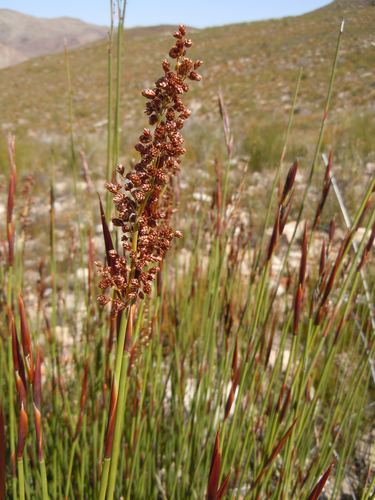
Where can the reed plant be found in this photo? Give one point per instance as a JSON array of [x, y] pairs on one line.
[[236, 365]]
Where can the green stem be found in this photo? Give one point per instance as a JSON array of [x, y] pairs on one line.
[[109, 128], [11, 382], [43, 474], [72, 452], [245, 367], [118, 426], [104, 478], [21, 479]]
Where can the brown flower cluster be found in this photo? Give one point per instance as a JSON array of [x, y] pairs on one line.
[[143, 200]]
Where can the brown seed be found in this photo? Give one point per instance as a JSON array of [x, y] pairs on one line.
[[182, 29], [148, 93], [152, 120], [194, 76], [166, 65]]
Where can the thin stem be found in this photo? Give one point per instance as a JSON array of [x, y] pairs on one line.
[[21, 479], [72, 453]]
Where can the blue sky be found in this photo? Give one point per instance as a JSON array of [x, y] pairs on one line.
[[197, 13]]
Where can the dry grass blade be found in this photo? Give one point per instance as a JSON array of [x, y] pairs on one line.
[[286, 404], [270, 342], [13, 177], [274, 238], [213, 493], [10, 204], [279, 446], [129, 328], [284, 213], [213, 480], [232, 392], [367, 248], [23, 424], [314, 495], [338, 331], [223, 487], [217, 198], [332, 276], [107, 238], [280, 398], [322, 263], [19, 369], [11, 231], [26, 340], [86, 172], [289, 184], [325, 191], [226, 125], [274, 454], [364, 213], [235, 359]]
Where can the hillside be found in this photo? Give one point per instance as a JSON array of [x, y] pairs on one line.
[[255, 64], [23, 36], [342, 5]]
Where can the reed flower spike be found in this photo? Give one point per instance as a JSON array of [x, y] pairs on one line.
[[143, 202]]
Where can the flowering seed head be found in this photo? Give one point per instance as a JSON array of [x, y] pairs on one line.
[[145, 199]]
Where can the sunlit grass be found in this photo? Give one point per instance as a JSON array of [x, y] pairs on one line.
[[255, 329]]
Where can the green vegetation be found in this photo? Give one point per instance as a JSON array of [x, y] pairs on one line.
[[255, 65], [238, 364]]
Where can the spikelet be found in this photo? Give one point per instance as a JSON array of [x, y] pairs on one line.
[[143, 201]]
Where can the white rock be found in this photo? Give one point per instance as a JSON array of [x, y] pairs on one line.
[[63, 336], [289, 230], [358, 235], [82, 273], [274, 354], [202, 197]]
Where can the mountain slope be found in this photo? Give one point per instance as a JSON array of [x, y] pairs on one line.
[[342, 5], [23, 36], [255, 64]]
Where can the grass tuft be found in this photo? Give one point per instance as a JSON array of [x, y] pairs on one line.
[[233, 362]]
